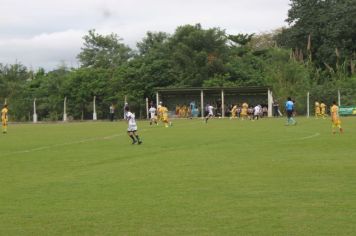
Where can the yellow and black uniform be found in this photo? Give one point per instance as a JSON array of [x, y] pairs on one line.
[[335, 119], [4, 119], [165, 119], [322, 109], [159, 112], [244, 110], [234, 111], [317, 110]]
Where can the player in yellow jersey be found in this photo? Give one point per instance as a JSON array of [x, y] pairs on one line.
[[233, 112], [165, 119], [159, 112], [244, 110], [322, 109], [4, 119], [317, 110], [335, 119]]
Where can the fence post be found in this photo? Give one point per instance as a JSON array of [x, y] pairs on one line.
[[94, 110], [34, 111], [147, 108], [269, 101], [65, 109], [222, 103], [202, 103], [308, 104]]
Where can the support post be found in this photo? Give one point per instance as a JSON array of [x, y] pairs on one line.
[[65, 109], [202, 103], [308, 105], [147, 115], [125, 104], [5, 101], [157, 99], [270, 102], [34, 111], [339, 97], [222, 104], [94, 109]]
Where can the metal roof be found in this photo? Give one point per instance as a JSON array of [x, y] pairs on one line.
[[251, 89]]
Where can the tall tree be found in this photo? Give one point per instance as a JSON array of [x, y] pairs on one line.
[[198, 54], [103, 51], [325, 30]]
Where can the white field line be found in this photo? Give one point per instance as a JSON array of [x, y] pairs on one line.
[[310, 136], [62, 144]]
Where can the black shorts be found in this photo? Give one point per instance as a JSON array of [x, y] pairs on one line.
[[289, 113]]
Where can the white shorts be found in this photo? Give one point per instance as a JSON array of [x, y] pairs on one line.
[[132, 128]]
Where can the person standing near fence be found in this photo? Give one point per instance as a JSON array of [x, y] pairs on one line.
[[112, 112], [275, 108], [322, 109], [153, 117], [290, 110], [317, 109], [4, 118]]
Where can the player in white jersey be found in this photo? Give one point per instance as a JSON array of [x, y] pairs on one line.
[[257, 112], [132, 129], [210, 109], [153, 117]]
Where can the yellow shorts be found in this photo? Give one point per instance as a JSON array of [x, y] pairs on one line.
[[336, 122]]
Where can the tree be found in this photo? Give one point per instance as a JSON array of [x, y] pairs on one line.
[[324, 30], [101, 51], [198, 54]]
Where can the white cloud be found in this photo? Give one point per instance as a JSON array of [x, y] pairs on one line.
[[43, 33], [44, 50]]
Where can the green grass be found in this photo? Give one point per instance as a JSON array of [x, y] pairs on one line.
[[223, 178]]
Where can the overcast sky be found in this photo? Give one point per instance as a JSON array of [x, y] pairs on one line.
[[46, 33]]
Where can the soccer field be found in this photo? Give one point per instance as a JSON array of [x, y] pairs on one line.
[[227, 177]]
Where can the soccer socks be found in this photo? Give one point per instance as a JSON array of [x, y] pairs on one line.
[[293, 121], [138, 139], [4, 129], [133, 139]]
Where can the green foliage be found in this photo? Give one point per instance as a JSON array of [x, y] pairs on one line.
[[331, 25], [103, 51]]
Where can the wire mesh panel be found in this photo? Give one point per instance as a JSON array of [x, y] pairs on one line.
[[189, 100]]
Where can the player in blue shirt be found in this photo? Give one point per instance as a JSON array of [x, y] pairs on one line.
[[289, 109]]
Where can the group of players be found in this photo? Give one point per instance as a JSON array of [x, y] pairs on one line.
[[320, 112], [248, 112], [161, 114], [244, 112]]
